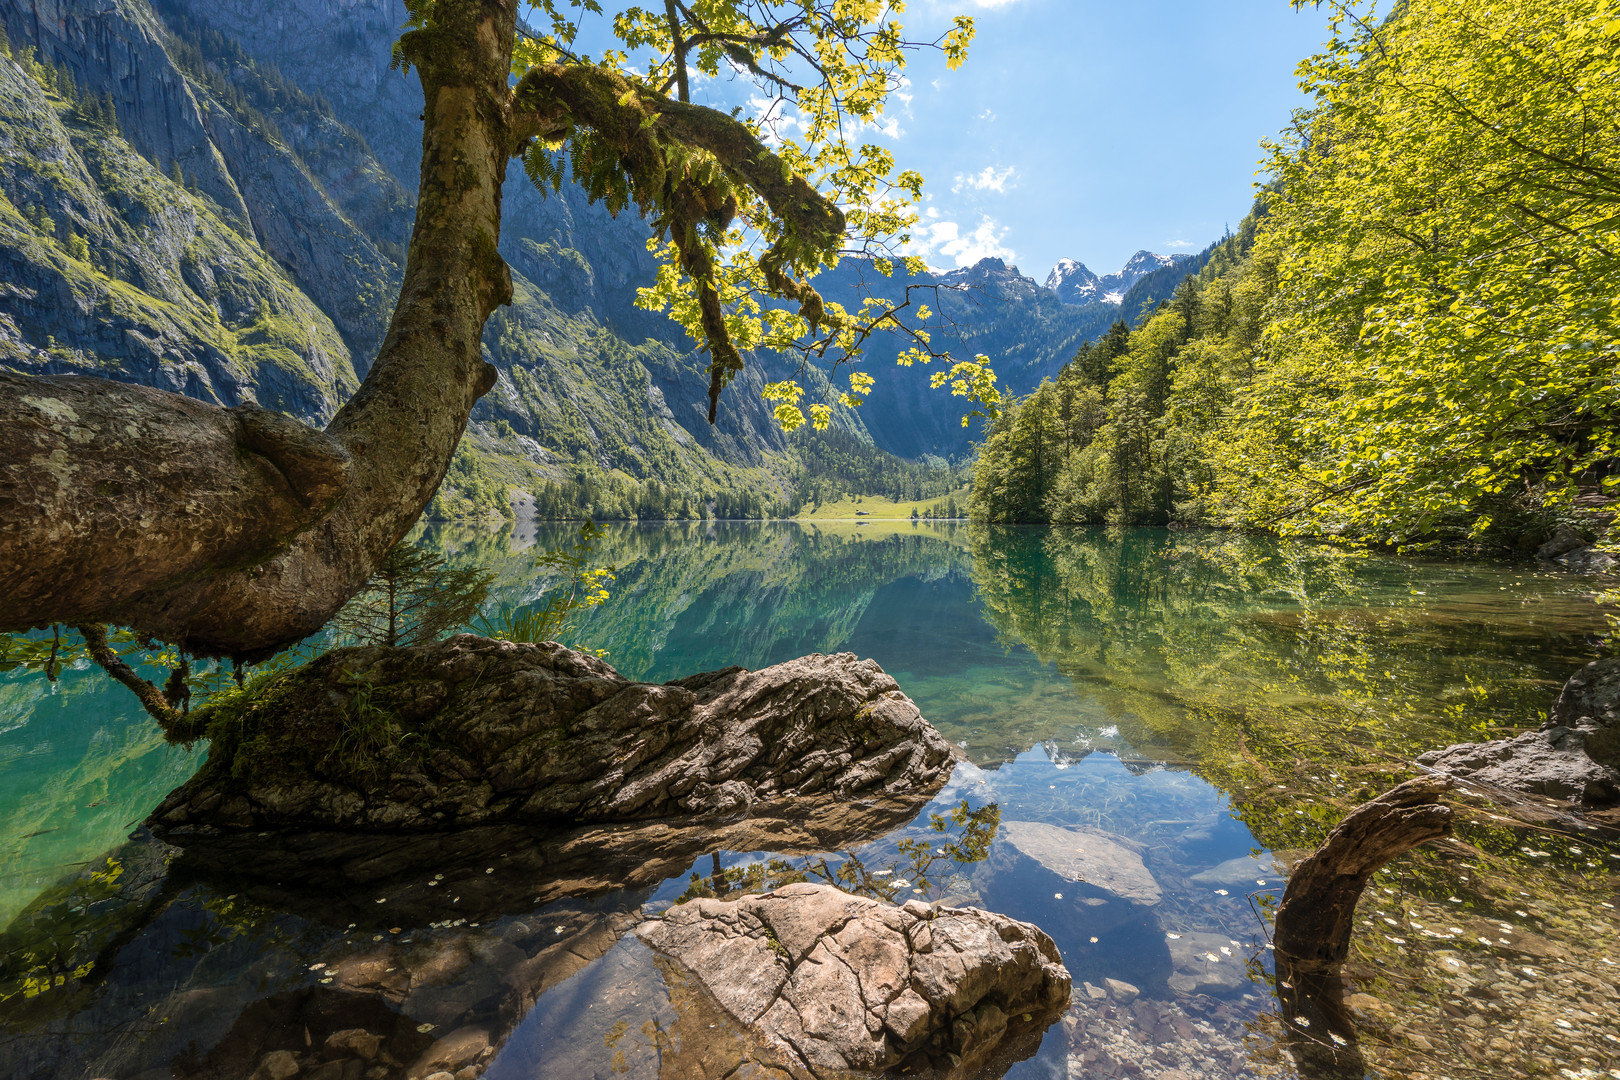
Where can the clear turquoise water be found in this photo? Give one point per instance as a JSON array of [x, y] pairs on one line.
[[1206, 699]]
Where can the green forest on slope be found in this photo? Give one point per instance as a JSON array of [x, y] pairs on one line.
[[1412, 338]]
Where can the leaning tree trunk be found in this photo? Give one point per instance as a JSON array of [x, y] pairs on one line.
[[238, 531], [1319, 906]]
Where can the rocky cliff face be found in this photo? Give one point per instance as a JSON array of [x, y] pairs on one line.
[[243, 223], [110, 267]]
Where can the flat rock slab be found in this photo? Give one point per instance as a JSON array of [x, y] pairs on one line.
[[834, 983], [1081, 853], [1246, 872], [471, 731]]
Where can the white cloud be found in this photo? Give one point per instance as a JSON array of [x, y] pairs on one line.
[[1179, 244], [988, 115], [989, 178], [940, 242]]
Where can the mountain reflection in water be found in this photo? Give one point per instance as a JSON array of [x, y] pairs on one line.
[[1204, 700]]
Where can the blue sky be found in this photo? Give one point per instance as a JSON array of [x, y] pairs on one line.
[[1090, 130]]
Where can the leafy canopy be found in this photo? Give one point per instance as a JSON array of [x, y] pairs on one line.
[[1446, 231], [746, 209]]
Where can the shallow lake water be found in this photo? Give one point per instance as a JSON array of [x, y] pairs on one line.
[[1212, 704]]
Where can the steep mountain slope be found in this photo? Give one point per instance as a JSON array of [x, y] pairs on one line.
[[1155, 286], [110, 267], [237, 233], [988, 308], [299, 146]]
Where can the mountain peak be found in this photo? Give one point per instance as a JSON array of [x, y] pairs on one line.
[[1069, 278], [1075, 284]]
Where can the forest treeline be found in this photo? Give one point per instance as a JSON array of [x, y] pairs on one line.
[[1411, 340]]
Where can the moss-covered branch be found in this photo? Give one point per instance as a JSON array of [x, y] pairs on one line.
[[684, 164]]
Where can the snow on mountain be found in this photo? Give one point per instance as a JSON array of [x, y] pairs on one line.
[[1075, 284]]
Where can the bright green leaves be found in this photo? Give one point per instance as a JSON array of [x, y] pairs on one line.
[[786, 394], [1442, 345], [957, 40], [972, 379], [731, 211]]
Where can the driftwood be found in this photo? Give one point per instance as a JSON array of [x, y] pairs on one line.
[[1312, 934], [1313, 923]]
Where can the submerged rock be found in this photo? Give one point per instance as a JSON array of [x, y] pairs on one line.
[[471, 731], [1244, 872], [397, 950], [1588, 560], [1574, 756], [833, 982], [1085, 854], [1207, 963]]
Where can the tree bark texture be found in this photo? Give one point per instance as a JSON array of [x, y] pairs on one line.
[[238, 531], [1314, 921]]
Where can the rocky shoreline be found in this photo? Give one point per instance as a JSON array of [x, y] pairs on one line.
[[462, 783], [1574, 757]]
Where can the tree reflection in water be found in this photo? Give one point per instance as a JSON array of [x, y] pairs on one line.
[[1300, 680]]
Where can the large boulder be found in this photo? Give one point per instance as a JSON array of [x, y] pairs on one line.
[[471, 731], [1563, 541], [834, 983], [1588, 560], [1574, 756]]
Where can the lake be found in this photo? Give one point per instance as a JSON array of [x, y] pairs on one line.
[[1210, 704]]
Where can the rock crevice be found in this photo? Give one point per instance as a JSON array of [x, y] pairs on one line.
[[834, 983]]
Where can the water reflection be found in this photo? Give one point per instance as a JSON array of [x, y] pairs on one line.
[[419, 951], [1202, 706]]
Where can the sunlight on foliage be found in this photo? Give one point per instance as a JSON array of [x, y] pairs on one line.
[[1443, 340], [748, 208]]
